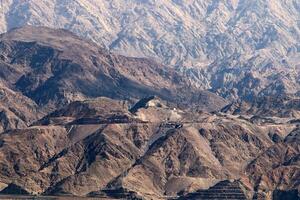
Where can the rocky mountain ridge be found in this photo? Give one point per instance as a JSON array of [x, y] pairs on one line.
[[155, 152], [236, 48], [55, 67]]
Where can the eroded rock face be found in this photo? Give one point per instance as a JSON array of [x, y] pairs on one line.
[[24, 151], [163, 152], [74, 159], [277, 167], [16, 110]]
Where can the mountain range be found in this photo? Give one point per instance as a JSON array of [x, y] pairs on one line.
[[72, 123], [235, 48], [148, 99], [47, 69]]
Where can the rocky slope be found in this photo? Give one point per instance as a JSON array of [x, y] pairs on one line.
[[54, 67], [157, 152], [236, 48], [278, 167], [278, 106], [16, 110]]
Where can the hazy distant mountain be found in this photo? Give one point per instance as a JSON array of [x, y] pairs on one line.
[[220, 42]]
